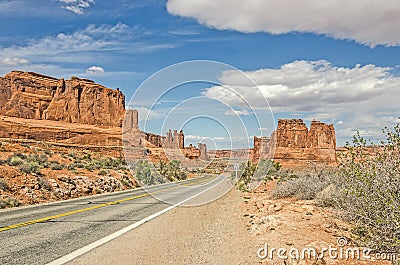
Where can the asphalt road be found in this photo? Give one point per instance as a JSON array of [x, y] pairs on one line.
[[44, 233]]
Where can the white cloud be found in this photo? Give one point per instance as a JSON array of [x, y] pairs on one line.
[[77, 6], [191, 137], [369, 22], [14, 61], [237, 112], [91, 44], [95, 70], [359, 97], [68, 47], [307, 86]]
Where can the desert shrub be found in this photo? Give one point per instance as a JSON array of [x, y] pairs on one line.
[[71, 166], [9, 202], [48, 152], [264, 168], [305, 185], [93, 165], [45, 184], [38, 158], [174, 171], [30, 167], [146, 174], [56, 166], [15, 161], [243, 176], [372, 190], [113, 163], [103, 172], [4, 185], [249, 172], [87, 156], [127, 182]]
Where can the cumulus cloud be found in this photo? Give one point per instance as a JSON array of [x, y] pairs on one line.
[[369, 22], [359, 97], [77, 6], [95, 70], [307, 86], [237, 112], [14, 61]]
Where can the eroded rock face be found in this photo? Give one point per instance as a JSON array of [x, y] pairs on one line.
[[293, 145], [203, 152], [34, 96]]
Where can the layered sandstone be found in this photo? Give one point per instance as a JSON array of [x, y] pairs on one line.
[[292, 144], [33, 96]]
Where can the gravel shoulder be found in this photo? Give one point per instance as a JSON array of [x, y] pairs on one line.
[[213, 233]]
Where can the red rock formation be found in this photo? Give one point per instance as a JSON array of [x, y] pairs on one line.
[[291, 133], [34, 96], [262, 147], [174, 140], [321, 135], [293, 145], [203, 152]]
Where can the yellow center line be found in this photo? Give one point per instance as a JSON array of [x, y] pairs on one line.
[[44, 219]]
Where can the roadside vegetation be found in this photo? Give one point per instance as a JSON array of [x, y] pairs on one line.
[[265, 170], [149, 174], [365, 189], [35, 162]]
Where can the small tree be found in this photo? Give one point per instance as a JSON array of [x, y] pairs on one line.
[[371, 184], [143, 173]]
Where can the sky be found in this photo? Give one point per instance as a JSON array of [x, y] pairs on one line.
[[223, 71]]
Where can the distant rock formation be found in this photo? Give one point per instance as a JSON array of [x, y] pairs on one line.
[[203, 152], [174, 140], [292, 144], [34, 96]]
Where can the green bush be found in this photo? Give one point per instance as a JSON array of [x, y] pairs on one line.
[[146, 174], [30, 168], [9, 202], [174, 171], [103, 172], [56, 166], [372, 190], [15, 161], [265, 168]]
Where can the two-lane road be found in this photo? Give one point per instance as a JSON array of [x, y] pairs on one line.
[[44, 233]]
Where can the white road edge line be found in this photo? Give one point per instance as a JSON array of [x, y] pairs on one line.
[[114, 235]]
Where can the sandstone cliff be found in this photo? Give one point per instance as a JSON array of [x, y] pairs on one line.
[[33, 96], [292, 144]]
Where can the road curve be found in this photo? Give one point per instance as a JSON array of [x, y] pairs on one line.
[[43, 233]]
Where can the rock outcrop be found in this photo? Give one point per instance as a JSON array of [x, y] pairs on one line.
[[293, 145], [33, 96], [174, 140], [203, 152]]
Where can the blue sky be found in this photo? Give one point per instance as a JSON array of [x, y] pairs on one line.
[[337, 62]]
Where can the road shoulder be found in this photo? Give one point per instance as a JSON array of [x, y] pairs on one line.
[[213, 233]]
